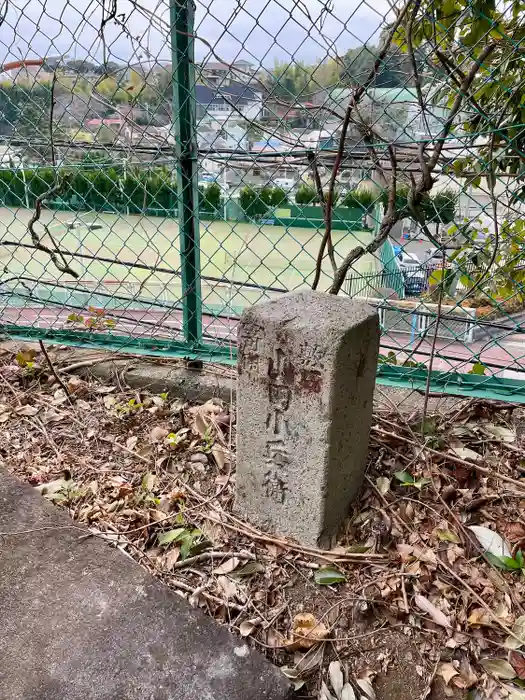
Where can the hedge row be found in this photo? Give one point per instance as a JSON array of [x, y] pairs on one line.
[[101, 189]]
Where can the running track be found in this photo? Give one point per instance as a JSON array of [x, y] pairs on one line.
[[507, 354]]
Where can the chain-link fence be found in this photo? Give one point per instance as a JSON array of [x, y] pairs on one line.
[[164, 165]]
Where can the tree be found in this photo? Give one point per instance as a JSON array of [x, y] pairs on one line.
[[289, 81], [488, 37], [80, 66], [108, 68], [394, 70], [251, 203], [473, 50]]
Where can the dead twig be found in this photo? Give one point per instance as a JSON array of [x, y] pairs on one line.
[[457, 460], [55, 373], [206, 556]]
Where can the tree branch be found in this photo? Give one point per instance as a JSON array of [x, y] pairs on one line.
[[354, 100], [390, 219]]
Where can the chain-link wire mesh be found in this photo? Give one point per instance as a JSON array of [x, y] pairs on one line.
[[162, 166]]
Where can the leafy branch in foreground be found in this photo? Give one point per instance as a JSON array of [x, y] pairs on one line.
[[477, 60]]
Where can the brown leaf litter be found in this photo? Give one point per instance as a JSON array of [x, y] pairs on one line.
[[414, 599]]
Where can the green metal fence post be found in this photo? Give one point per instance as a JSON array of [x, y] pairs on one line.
[[182, 14]]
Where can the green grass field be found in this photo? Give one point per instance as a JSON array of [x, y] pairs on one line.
[[264, 255]]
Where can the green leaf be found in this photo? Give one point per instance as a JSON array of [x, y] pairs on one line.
[[520, 559], [405, 478], [172, 536], [250, 568], [186, 545], [478, 368], [421, 482], [326, 575], [148, 481], [499, 562], [447, 536], [511, 563]]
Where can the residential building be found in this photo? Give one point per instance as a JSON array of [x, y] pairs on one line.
[[224, 74], [235, 101]]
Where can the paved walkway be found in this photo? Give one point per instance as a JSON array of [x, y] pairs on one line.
[[81, 621]]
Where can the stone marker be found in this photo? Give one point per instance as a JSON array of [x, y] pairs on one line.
[[81, 621], [306, 372]]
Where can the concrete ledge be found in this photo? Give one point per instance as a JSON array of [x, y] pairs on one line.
[[192, 385], [81, 621]]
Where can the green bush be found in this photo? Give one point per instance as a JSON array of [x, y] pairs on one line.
[[95, 188], [252, 202], [359, 199], [279, 197], [210, 199], [440, 208], [305, 195], [213, 195]]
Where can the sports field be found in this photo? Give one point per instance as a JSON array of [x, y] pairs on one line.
[[264, 255]]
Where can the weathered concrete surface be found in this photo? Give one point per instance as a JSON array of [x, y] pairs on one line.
[[306, 373], [81, 621]]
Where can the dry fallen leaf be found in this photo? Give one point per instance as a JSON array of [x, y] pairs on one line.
[[219, 455], [366, 686], [490, 541], [227, 587], [466, 453], [246, 628], [498, 668], [517, 659], [158, 433], [347, 692], [447, 672], [27, 410], [131, 442], [435, 613], [499, 431], [514, 531], [172, 557], [518, 629], [227, 567], [201, 425], [383, 484], [335, 674], [310, 660]]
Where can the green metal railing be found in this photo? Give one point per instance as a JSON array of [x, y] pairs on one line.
[[148, 194]]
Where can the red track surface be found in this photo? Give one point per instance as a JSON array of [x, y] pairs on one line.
[[507, 354]]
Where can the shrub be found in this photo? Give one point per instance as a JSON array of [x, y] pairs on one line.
[[359, 199], [251, 203], [279, 197], [305, 195], [266, 196], [210, 199], [213, 195]]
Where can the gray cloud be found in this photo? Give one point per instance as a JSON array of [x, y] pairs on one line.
[[258, 30]]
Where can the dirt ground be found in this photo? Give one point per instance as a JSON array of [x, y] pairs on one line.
[[411, 602]]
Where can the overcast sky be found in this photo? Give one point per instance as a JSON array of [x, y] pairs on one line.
[[258, 30]]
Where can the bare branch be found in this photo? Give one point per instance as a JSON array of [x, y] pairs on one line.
[[354, 100], [61, 265], [390, 219]]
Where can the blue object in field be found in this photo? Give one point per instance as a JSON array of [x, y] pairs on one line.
[[397, 250]]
